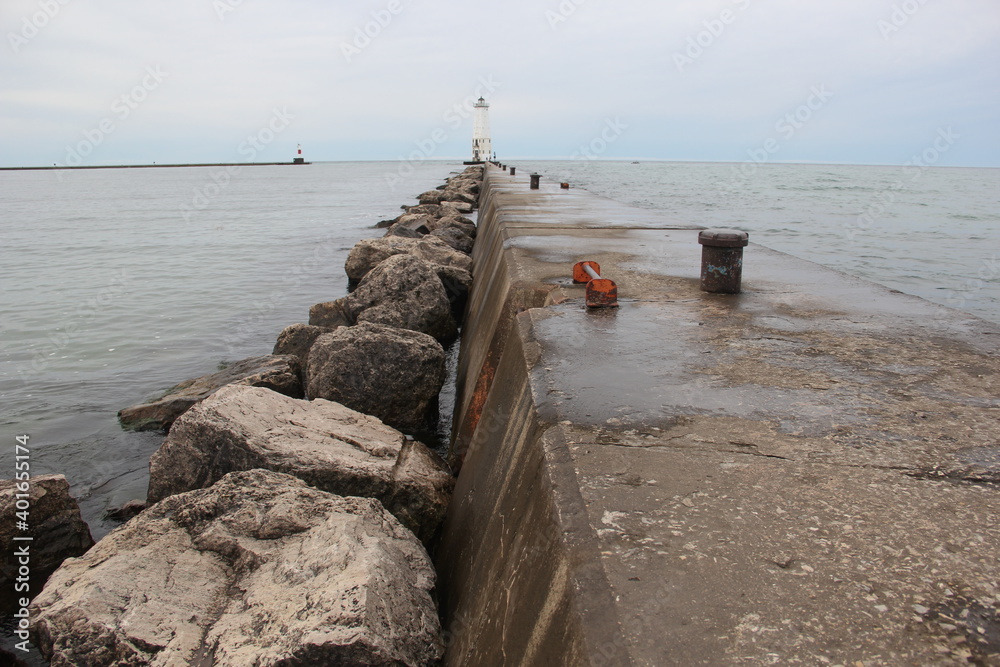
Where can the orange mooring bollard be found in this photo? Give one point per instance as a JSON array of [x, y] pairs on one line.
[[601, 292]]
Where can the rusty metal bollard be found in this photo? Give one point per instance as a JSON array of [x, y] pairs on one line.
[[564, 186], [722, 260], [534, 181], [513, 170], [505, 167], [601, 292]]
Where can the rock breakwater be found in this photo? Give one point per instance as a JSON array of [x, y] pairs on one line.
[[290, 507]]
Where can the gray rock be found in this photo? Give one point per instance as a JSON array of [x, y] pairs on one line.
[[126, 511], [453, 208], [281, 373], [391, 373], [466, 228], [433, 210], [330, 315], [297, 339], [466, 196], [259, 569], [404, 292], [54, 521], [456, 285], [431, 197], [407, 232], [369, 253], [326, 444], [455, 237]]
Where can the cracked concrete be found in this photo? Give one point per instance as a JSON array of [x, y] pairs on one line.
[[805, 473]]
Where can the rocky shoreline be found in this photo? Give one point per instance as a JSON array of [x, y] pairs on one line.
[[292, 506]]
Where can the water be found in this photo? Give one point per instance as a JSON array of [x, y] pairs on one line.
[[117, 284]]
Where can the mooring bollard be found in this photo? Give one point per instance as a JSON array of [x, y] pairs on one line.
[[512, 170], [564, 186], [505, 167], [601, 292], [534, 181], [722, 260]]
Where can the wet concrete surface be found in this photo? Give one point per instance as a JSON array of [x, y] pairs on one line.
[[805, 473]]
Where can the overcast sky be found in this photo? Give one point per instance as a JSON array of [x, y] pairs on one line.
[[848, 81]]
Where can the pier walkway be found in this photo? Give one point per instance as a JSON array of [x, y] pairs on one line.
[[804, 473]]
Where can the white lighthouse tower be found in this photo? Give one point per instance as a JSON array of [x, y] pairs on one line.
[[482, 147]]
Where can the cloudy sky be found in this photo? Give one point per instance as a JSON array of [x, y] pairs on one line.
[[850, 81]]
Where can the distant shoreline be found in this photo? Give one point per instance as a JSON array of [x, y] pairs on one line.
[[158, 166]]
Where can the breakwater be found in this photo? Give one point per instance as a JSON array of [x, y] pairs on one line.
[[228, 486], [803, 472], [155, 166]]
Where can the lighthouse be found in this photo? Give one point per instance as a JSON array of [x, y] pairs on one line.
[[298, 158], [482, 147]]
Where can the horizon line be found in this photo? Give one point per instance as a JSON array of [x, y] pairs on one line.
[[459, 159]]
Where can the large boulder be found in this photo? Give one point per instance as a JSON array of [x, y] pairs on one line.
[[455, 195], [52, 519], [405, 292], [296, 340], [393, 374], [330, 315], [259, 569], [431, 197], [455, 237], [282, 373], [369, 253], [433, 210], [458, 222], [326, 444], [453, 208], [457, 284], [416, 227]]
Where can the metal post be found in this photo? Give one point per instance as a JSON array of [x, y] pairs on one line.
[[722, 260], [534, 181]]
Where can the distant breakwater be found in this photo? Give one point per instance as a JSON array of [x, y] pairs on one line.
[[156, 166]]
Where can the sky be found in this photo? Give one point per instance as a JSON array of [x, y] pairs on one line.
[[94, 82]]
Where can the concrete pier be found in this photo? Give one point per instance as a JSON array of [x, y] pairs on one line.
[[804, 473]]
